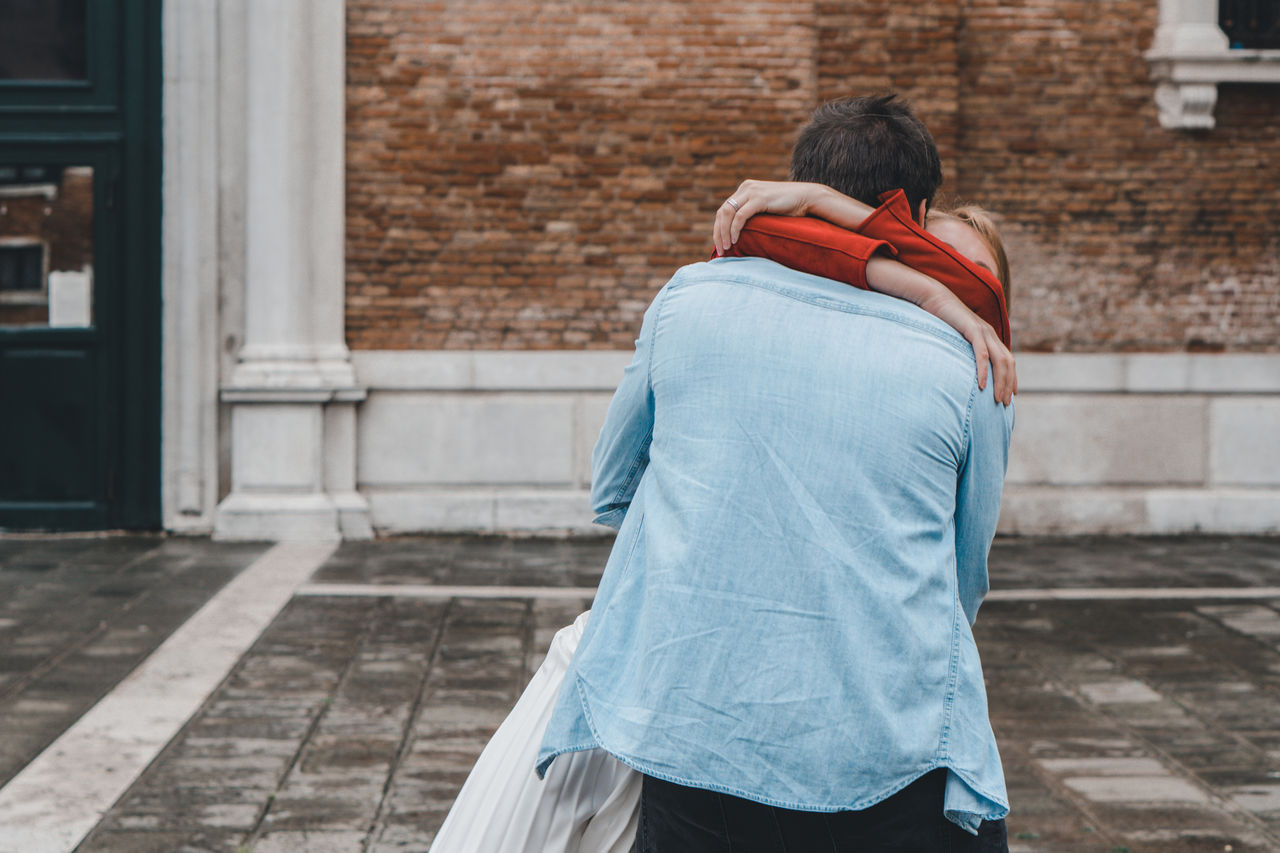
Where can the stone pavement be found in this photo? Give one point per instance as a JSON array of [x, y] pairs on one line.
[[1143, 722], [78, 614]]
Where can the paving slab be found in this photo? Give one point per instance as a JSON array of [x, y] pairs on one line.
[[1139, 724], [78, 614]]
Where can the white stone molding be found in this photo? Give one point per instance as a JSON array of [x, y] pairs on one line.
[[1190, 56], [1186, 106], [500, 442], [490, 370], [292, 391], [1149, 373], [190, 256], [600, 370]]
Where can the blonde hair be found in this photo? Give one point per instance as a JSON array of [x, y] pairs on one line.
[[981, 221]]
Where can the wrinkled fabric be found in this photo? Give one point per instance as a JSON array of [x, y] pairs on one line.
[[811, 245], [588, 803], [917, 248], [805, 479], [818, 247]]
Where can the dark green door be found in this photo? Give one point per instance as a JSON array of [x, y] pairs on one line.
[[79, 264]]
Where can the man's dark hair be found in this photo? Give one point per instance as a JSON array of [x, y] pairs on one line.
[[865, 146]]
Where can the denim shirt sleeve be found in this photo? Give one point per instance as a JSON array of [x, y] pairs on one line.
[[622, 450], [978, 496]]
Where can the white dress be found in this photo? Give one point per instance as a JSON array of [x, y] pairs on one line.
[[588, 802]]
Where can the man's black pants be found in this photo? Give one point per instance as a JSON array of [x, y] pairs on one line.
[[678, 819]]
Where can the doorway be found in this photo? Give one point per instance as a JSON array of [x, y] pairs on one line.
[[80, 84]]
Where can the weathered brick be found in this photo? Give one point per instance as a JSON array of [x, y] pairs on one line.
[[525, 175]]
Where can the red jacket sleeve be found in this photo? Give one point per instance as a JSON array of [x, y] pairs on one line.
[[923, 252], [809, 245], [818, 247]]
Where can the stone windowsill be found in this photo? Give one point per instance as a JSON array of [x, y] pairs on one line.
[[1187, 81]]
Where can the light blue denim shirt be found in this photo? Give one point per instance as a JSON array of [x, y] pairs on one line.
[[806, 480]]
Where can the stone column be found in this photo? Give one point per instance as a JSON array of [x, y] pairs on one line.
[[190, 257], [292, 392], [1189, 27]]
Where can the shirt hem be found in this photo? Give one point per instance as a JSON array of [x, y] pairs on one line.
[[965, 820]]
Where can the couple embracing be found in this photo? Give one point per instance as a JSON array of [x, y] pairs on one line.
[[805, 477]]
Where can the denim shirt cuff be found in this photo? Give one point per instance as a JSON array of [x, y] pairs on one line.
[[612, 518]]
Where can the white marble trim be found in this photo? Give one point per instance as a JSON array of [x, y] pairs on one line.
[[437, 370], [592, 370], [1150, 373], [364, 590], [190, 251]]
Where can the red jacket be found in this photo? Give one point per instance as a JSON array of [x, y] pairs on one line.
[[816, 246]]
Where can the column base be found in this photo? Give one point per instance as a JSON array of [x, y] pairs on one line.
[[293, 458], [354, 520], [278, 518]]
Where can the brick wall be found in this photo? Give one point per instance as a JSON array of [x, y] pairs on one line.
[[525, 175], [1124, 236], [890, 46]]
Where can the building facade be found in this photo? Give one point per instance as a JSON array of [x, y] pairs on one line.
[[406, 245]]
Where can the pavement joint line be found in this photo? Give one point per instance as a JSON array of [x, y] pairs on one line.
[[356, 590], [84, 638], [1137, 735], [408, 733], [362, 641], [57, 799], [77, 643], [1168, 593]]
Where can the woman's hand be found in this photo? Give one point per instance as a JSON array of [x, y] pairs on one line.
[[987, 346], [788, 198]]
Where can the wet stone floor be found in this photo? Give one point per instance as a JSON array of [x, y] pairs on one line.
[[78, 614], [1137, 724], [349, 726]]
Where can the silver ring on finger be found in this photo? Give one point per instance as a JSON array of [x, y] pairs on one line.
[[734, 203]]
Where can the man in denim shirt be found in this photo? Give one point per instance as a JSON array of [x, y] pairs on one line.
[[805, 479]]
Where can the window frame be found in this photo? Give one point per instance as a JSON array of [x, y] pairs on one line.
[[32, 296], [99, 92]]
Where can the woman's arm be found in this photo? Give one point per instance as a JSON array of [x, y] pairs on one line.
[[897, 279], [793, 198], [786, 198]]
